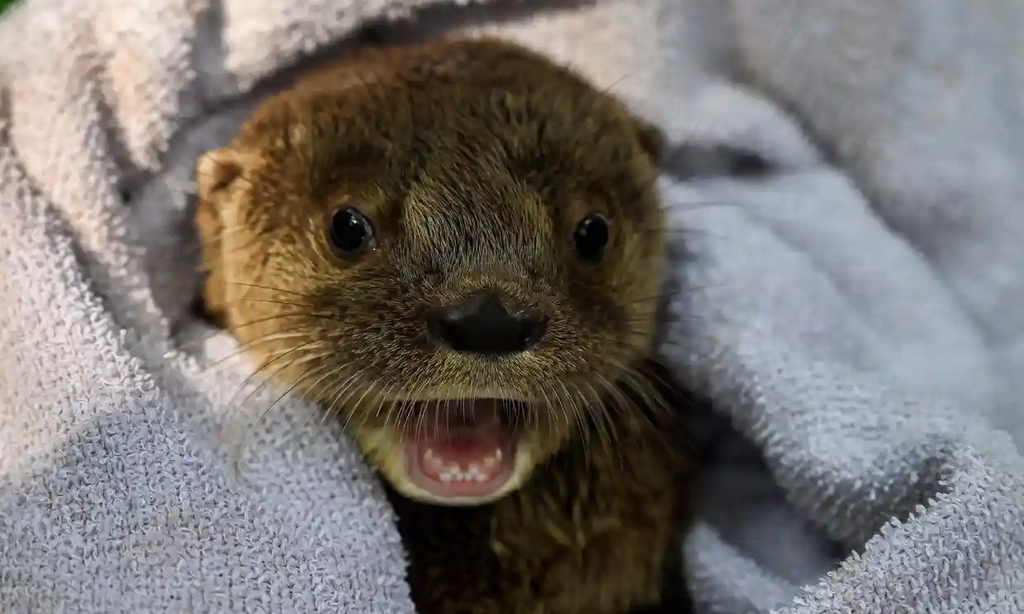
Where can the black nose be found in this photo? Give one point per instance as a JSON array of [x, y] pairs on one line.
[[482, 325]]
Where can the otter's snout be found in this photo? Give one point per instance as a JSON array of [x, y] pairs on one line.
[[484, 324]]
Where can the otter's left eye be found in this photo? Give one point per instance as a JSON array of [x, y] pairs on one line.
[[591, 238], [350, 232]]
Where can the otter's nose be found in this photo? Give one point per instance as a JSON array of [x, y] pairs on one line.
[[482, 325]]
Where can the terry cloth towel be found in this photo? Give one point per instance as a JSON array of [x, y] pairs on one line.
[[856, 311]]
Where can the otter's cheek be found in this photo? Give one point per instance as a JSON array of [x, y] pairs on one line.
[[383, 450], [528, 456]]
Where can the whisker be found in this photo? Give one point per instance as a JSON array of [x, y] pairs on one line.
[[273, 377], [288, 352], [601, 422], [236, 455], [319, 400], [407, 409], [621, 408], [244, 348], [269, 301], [562, 412], [383, 398], [268, 288], [358, 406], [298, 381], [342, 398], [192, 343], [687, 289]]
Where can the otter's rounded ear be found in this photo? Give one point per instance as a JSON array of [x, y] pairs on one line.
[[215, 172], [217, 169], [652, 139]]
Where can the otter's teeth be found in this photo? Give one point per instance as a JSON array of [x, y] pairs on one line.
[[432, 462], [477, 472], [491, 461]]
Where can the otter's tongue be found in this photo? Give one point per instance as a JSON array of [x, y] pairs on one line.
[[462, 451]]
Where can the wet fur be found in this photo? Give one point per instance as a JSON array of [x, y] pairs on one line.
[[475, 160]]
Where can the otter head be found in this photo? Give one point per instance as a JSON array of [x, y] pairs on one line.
[[456, 246]]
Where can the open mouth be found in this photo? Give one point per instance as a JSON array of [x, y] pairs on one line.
[[461, 449]]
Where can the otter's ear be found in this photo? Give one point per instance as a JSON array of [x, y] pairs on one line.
[[217, 169], [215, 172], [652, 139]]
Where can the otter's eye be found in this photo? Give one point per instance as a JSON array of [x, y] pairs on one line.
[[350, 232], [591, 238]]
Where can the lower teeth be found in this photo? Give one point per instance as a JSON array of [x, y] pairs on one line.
[[452, 472], [456, 475]]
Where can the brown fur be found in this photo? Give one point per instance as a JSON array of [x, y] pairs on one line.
[[474, 160]]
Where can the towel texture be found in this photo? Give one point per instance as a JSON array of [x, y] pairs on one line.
[[856, 314]]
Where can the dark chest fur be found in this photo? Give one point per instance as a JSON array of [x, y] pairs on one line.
[[596, 530]]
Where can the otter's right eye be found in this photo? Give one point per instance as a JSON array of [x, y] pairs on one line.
[[350, 232]]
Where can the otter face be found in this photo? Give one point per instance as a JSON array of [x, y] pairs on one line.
[[457, 247]]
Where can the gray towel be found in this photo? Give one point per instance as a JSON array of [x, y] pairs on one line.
[[857, 313]]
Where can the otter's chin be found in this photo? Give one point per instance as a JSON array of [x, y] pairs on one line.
[[462, 452]]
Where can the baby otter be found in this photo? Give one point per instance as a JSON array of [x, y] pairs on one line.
[[457, 246]]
